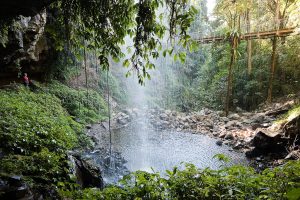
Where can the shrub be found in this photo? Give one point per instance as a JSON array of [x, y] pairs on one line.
[[236, 182], [88, 108], [35, 133], [32, 121]]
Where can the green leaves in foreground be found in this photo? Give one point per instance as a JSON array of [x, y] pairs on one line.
[[236, 182], [35, 133], [32, 121]]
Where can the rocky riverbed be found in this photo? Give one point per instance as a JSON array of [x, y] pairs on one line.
[[249, 132]]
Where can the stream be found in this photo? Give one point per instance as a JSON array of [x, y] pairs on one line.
[[140, 147]]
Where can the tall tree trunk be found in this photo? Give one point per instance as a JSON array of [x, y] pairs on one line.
[[249, 45], [233, 46], [274, 52], [85, 72], [272, 69]]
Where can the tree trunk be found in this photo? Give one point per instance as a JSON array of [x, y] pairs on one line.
[[85, 72], [249, 45], [233, 46], [272, 69]]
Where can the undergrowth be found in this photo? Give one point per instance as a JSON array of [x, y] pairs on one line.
[[36, 131], [236, 182], [35, 134], [86, 106]]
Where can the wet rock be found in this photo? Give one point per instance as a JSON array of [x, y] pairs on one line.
[[219, 142], [224, 119], [215, 134], [123, 119], [88, 126], [168, 112], [234, 116], [258, 159], [258, 118], [186, 126], [247, 121], [222, 135], [293, 155], [229, 136], [88, 173], [238, 145], [233, 124], [14, 188], [266, 141], [208, 123], [163, 116]]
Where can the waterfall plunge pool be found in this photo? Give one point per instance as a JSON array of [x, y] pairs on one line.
[[140, 147]]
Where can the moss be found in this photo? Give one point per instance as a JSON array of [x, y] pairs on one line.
[[294, 112]]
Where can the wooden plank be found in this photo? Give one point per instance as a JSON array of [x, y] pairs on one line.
[[254, 35]]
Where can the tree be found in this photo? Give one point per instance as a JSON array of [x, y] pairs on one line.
[[279, 10], [105, 24]]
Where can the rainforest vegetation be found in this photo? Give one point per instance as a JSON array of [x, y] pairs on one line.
[[188, 56]]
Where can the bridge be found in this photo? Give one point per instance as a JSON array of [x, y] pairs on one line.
[[250, 36]]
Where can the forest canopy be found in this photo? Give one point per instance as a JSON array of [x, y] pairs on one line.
[[104, 26]]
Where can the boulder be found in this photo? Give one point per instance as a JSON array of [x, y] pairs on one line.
[[258, 118], [208, 123], [219, 142], [13, 187], [88, 126], [224, 119], [163, 116], [293, 155], [229, 136], [232, 124], [123, 119], [234, 116], [88, 173], [281, 109], [266, 141]]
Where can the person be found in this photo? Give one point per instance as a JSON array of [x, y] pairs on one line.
[[26, 80]]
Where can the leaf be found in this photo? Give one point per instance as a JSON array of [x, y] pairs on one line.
[[222, 157], [293, 194], [126, 63], [127, 74], [182, 57], [165, 53], [175, 57]]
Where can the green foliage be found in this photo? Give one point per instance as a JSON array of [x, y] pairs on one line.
[[292, 114], [41, 168], [4, 27], [102, 26], [35, 134], [32, 121], [117, 90], [86, 106], [236, 182]]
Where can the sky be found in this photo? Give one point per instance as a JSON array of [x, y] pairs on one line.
[[210, 6]]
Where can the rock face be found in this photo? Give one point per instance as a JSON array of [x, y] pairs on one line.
[[87, 173], [14, 188], [26, 47]]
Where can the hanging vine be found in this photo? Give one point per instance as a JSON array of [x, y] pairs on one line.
[[105, 24]]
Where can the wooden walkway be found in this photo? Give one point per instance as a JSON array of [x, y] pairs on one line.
[[254, 35]]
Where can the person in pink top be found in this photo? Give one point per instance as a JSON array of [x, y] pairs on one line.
[[25, 80]]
